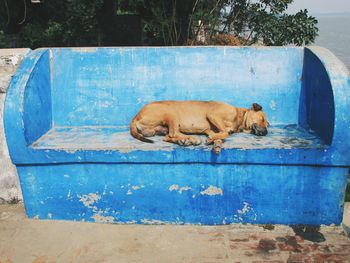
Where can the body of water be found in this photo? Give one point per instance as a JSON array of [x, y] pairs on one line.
[[334, 34]]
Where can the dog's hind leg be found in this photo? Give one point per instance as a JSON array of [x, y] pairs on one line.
[[175, 136], [182, 139], [220, 126]]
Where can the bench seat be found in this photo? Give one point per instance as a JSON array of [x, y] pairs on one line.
[[119, 139]]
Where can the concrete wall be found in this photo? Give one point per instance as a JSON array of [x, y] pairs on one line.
[[10, 190]]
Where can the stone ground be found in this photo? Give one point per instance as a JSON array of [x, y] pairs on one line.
[[28, 240]]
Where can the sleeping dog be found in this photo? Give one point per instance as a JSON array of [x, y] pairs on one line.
[[178, 120]]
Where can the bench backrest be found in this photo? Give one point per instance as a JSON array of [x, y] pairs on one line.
[[107, 86]]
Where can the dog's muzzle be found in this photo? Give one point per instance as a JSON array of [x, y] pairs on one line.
[[259, 131]]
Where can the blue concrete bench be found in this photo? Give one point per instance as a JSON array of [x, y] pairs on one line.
[[67, 113]]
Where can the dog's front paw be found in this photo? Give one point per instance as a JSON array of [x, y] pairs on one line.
[[185, 142], [209, 141], [217, 146], [217, 150]]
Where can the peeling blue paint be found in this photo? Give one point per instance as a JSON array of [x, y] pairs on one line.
[[66, 120], [235, 193]]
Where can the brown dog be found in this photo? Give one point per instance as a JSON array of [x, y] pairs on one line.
[[177, 119]]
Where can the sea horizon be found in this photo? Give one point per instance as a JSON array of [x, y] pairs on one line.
[[334, 34]]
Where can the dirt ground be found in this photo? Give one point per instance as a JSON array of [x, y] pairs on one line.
[[38, 241]]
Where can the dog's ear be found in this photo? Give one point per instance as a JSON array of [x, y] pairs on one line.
[[256, 107]]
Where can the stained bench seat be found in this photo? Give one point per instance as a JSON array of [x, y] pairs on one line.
[[119, 139]]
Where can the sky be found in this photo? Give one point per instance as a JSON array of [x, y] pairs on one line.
[[321, 6]]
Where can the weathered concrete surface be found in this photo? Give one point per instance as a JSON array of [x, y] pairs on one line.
[[9, 185], [10, 59], [25, 240], [346, 218], [10, 191]]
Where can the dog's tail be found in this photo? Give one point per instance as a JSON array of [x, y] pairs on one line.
[[135, 133]]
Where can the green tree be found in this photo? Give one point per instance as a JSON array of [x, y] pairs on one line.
[[174, 22], [81, 25], [3, 42], [165, 22], [268, 22], [52, 23]]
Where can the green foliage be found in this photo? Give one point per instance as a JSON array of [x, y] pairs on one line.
[[53, 23], [36, 35], [3, 42], [54, 34], [80, 25], [174, 22], [266, 21], [32, 35], [217, 40], [164, 22]]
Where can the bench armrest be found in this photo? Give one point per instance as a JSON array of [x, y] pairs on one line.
[[28, 114], [329, 106]]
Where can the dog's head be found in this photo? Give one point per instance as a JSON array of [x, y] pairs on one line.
[[255, 120]]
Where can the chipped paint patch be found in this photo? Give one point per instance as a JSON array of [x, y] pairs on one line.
[[212, 190], [159, 222], [99, 218], [246, 212], [176, 187], [273, 105], [173, 187], [84, 49], [130, 222], [185, 188], [245, 208], [153, 222], [89, 199]]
